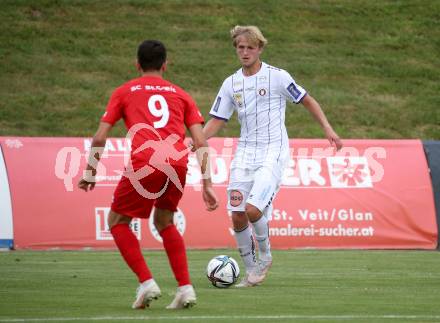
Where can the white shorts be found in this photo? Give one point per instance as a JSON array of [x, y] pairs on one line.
[[256, 176], [254, 186]]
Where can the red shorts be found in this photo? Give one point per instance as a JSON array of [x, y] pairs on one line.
[[129, 202]]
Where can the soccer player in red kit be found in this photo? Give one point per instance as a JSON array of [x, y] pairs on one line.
[[155, 113]]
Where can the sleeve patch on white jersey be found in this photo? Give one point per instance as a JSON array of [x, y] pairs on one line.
[[293, 90], [217, 104]]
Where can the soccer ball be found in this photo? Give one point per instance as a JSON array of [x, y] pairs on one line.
[[222, 271]]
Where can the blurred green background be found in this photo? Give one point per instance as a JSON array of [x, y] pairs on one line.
[[373, 65]]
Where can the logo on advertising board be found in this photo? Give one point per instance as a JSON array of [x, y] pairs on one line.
[[349, 172], [13, 143], [178, 220], [102, 229], [306, 167]]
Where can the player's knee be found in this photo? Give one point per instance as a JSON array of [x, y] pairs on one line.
[[239, 221], [161, 223], [162, 219], [252, 212], [115, 218]]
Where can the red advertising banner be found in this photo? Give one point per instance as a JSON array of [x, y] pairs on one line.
[[372, 194]]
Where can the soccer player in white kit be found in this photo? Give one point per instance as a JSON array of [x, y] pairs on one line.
[[258, 93]]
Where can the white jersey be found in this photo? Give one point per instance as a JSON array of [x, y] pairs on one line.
[[260, 102]]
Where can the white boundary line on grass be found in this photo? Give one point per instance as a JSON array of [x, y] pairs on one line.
[[222, 317]]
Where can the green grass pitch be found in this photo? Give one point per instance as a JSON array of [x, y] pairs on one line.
[[302, 286]]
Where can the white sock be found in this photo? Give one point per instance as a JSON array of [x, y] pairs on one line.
[[261, 228], [148, 282], [246, 247], [184, 287]]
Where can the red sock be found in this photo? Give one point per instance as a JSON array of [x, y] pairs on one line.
[[130, 250], [175, 248]]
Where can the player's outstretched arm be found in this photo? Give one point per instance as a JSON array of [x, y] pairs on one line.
[[200, 146], [97, 148], [212, 127], [315, 109]]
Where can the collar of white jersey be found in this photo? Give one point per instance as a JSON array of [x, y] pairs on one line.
[[263, 66]]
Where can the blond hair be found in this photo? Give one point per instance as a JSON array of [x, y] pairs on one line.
[[252, 33]]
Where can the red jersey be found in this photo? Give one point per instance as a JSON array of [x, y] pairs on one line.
[[159, 111]]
